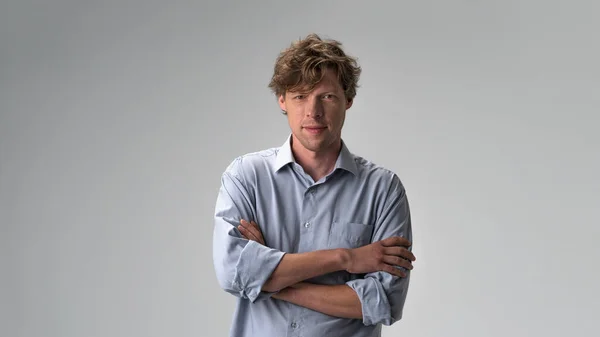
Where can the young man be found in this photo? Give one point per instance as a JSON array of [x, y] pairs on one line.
[[312, 239]]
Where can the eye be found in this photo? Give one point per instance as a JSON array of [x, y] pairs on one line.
[[299, 97], [328, 96]]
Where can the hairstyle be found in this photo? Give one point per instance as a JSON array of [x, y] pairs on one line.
[[300, 66]]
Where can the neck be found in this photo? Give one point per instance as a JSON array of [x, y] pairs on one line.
[[316, 164]]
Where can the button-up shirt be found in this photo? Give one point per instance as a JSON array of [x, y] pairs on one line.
[[356, 204]]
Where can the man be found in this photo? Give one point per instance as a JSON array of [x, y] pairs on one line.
[[312, 239]]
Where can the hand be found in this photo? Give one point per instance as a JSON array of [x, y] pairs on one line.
[[251, 231], [382, 255]]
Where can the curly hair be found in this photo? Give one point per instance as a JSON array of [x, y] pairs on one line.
[[300, 66]]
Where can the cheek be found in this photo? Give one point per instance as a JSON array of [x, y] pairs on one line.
[[293, 119], [338, 118]]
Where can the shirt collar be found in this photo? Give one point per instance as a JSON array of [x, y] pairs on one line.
[[344, 161], [284, 155]]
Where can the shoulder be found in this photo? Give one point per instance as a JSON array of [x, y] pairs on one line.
[[378, 176], [245, 165], [384, 187]]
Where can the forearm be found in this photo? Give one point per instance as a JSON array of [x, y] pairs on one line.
[[334, 300], [294, 268]]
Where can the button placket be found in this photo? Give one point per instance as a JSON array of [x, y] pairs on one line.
[[306, 222]]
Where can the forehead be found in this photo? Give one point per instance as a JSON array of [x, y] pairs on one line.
[[329, 82]]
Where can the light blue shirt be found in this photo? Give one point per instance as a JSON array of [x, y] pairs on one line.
[[358, 203]]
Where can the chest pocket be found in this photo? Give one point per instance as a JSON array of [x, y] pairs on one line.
[[349, 235]]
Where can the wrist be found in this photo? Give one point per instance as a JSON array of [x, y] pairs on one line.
[[344, 258], [277, 295], [284, 294]]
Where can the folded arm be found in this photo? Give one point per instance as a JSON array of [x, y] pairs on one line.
[[248, 268], [334, 300], [380, 296], [384, 255], [241, 266]]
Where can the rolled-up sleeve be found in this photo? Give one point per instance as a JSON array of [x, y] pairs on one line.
[[242, 266], [382, 295]]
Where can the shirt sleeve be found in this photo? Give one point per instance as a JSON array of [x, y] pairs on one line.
[[242, 266], [382, 295]]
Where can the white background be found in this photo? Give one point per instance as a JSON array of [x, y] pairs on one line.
[[118, 117]]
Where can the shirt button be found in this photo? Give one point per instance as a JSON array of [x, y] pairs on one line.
[[307, 224], [294, 325]]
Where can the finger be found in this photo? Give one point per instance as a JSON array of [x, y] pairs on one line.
[[400, 251], [397, 261], [251, 237], [247, 226], [247, 233], [392, 270], [255, 225], [243, 231], [396, 241], [251, 229]]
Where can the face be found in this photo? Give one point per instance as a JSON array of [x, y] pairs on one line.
[[316, 118]]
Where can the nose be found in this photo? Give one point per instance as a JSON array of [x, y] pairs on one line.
[[314, 108]]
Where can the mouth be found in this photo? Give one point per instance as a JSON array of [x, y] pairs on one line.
[[315, 130]]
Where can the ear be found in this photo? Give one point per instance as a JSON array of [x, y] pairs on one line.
[[281, 101], [349, 103]]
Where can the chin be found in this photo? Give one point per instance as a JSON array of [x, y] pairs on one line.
[[315, 145]]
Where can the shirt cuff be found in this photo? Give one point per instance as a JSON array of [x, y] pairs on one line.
[[374, 302], [254, 267]]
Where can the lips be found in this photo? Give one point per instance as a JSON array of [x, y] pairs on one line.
[[314, 130]]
